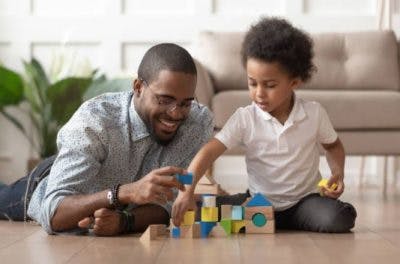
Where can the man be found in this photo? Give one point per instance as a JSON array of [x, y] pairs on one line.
[[118, 154]]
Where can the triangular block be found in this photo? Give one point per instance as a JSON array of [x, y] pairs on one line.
[[258, 200], [205, 228], [226, 224]]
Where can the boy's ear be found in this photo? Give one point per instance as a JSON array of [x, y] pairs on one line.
[[296, 82]]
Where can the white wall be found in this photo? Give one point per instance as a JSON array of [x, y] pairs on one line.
[[114, 34]]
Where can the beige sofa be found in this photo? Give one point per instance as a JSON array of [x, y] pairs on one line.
[[357, 82]]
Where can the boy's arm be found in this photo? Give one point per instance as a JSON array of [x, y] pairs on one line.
[[201, 162], [335, 156]]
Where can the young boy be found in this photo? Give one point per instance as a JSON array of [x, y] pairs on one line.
[[281, 134]]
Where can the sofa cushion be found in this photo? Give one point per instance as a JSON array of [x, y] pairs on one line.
[[348, 110], [345, 61]]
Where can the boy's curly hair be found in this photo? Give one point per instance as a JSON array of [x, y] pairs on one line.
[[276, 40]]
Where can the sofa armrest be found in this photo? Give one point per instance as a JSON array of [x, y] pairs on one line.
[[204, 89]]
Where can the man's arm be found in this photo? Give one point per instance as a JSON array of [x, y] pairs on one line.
[[335, 156], [155, 187]]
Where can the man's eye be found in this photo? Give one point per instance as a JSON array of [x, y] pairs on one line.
[[165, 100]]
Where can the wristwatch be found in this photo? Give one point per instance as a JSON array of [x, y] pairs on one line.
[[112, 196]]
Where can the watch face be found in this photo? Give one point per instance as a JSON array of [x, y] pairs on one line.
[[110, 197]]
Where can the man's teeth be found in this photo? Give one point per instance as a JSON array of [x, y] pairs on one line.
[[168, 124]]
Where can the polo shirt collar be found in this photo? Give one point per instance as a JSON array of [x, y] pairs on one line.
[[139, 129], [297, 114]]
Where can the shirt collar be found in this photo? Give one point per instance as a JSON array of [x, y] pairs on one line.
[[297, 113], [139, 129]]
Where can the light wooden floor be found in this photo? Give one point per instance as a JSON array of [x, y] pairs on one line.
[[376, 239]]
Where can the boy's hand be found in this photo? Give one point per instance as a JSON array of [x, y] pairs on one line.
[[338, 179], [183, 202]]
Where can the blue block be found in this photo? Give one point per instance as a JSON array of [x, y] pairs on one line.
[[258, 200], [206, 227], [185, 178], [237, 212], [176, 232]]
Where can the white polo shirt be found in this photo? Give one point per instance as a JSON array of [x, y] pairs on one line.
[[282, 160]]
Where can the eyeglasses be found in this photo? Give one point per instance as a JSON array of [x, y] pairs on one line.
[[170, 103]]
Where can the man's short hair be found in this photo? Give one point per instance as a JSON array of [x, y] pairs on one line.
[[165, 56]]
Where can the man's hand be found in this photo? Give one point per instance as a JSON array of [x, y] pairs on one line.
[[338, 179], [183, 202], [155, 187], [105, 222]]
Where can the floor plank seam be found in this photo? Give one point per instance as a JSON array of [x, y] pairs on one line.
[[79, 251], [20, 239]]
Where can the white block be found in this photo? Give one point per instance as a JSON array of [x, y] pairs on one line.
[[209, 201]]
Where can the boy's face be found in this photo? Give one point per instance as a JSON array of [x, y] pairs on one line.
[[271, 88]]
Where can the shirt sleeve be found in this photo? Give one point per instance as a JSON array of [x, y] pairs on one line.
[[326, 132], [81, 150], [231, 135]]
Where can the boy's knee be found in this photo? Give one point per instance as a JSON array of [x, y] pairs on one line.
[[339, 221]]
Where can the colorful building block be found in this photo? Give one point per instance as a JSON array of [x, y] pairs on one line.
[[226, 211], [267, 211], [154, 232], [259, 219], [237, 212], [205, 228], [209, 214], [226, 225], [237, 225], [218, 231], [267, 228], [324, 183], [209, 201], [185, 178], [258, 200], [188, 218], [176, 232]]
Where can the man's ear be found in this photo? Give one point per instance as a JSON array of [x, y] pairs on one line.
[[137, 87]]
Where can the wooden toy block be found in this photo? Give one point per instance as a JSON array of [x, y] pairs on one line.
[[226, 211], [268, 228], [207, 189], [237, 225], [324, 183], [209, 201], [237, 212], [205, 228], [268, 211], [176, 232], [209, 214], [154, 232], [192, 231], [258, 200], [246, 202], [218, 231], [185, 178], [226, 225], [188, 218]]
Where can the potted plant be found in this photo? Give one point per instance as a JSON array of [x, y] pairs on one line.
[[50, 104]]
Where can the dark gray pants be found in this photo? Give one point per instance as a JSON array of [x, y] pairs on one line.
[[312, 213]]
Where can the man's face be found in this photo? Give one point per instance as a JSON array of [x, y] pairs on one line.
[[164, 103]]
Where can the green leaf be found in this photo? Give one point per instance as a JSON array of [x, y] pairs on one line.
[[101, 85], [11, 87], [65, 97]]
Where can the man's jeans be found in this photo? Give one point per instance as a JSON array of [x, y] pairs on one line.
[[14, 198], [312, 213]]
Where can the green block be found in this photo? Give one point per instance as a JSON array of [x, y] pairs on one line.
[[227, 225], [259, 219]]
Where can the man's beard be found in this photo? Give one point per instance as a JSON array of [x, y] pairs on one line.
[[153, 135]]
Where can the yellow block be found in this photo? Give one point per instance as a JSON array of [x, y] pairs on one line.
[[188, 218], [237, 225], [209, 214], [324, 183]]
